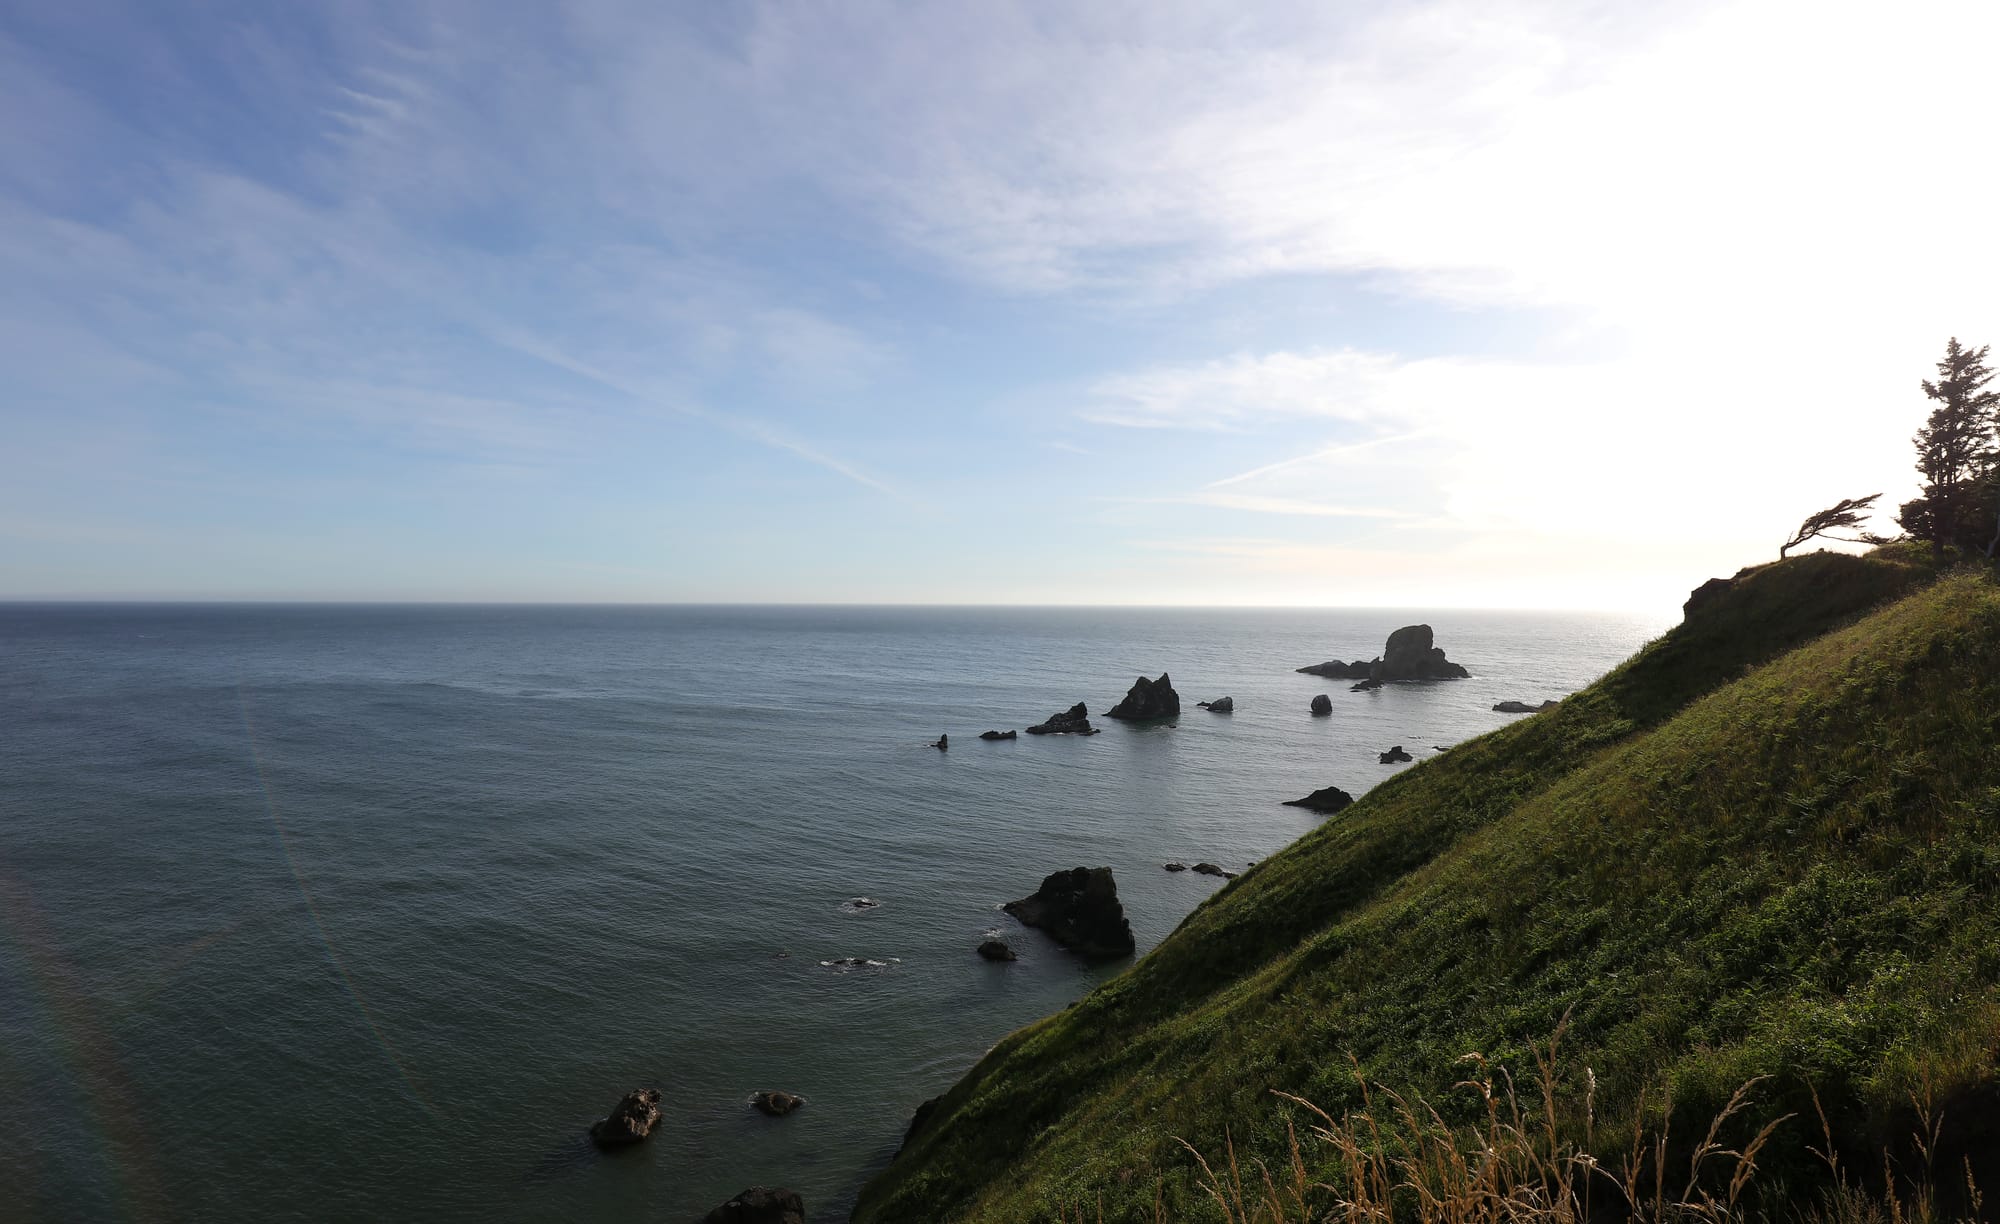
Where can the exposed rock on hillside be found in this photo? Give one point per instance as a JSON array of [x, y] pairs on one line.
[[1073, 721], [1325, 799], [1079, 909], [1148, 699], [631, 1121]]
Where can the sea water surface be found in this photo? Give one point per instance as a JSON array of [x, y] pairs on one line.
[[339, 912]]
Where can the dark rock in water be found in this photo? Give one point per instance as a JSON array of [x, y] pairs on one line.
[[1079, 909], [760, 1205], [996, 735], [776, 1104], [1336, 670], [996, 950], [1325, 799], [917, 1119], [632, 1121], [1073, 721], [1408, 655], [1221, 705], [1176, 866], [1366, 686], [1706, 594], [943, 742], [1322, 704], [858, 904], [1210, 869], [1396, 754], [1522, 707], [1148, 699]]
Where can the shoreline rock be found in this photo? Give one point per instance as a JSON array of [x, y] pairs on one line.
[[997, 950], [1210, 869], [1395, 755], [1073, 721], [1522, 707], [630, 1121], [760, 1205], [1147, 700], [1325, 799], [1079, 909]]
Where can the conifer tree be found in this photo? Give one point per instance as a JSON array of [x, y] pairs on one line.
[[1958, 451]]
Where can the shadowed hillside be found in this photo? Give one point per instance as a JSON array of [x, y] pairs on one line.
[[1769, 844]]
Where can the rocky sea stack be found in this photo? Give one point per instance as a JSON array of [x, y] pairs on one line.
[[1148, 699], [1409, 654], [1073, 721], [760, 1205], [1079, 909], [1221, 705]]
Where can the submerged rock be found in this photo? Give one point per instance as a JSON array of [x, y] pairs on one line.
[[760, 1205], [1073, 721], [776, 1104], [1210, 869], [1322, 704], [996, 735], [1176, 866], [858, 904], [1396, 754], [997, 950], [1221, 705], [633, 1119], [1147, 699], [1522, 707], [1079, 909], [1325, 799]]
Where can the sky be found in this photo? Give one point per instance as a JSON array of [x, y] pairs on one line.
[[1425, 304]]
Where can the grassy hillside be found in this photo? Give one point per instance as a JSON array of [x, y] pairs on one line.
[[1769, 844]]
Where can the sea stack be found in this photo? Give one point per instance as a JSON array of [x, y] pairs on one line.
[[1079, 909], [1322, 704], [1073, 721], [633, 1119], [1147, 699], [1409, 654]]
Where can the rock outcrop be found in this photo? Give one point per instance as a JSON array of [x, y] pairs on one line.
[[1079, 909], [760, 1205], [1221, 705], [1147, 699], [1073, 721], [1210, 869], [997, 950], [996, 735], [1522, 707], [1322, 704], [1409, 654], [943, 743], [1175, 866], [1706, 594], [776, 1104], [633, 1119], [1325, 799], [1336, 670], [1396, 754]]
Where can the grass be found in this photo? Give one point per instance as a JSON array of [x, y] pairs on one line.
[[1766, 849]]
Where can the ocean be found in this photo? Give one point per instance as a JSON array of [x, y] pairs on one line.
[[367, 912]]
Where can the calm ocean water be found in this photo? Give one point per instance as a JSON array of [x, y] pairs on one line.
[[314, 913]]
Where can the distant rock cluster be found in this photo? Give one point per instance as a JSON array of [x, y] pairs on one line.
[[1409, 654]]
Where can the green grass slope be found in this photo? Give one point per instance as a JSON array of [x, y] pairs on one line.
[[1769, 844]]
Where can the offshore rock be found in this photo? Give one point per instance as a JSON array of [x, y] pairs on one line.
[[1366, 686], [633, 1119], [1410, 654], [1079, 909], [1210, 869], [760, 1205], [1396, 754], [1073, 721], [997, 950], [1322, 704], [1325, 799], [996, 735], [776, 1104], [943, 743], [1522, 707], [1148, 699], [1221, 705], [1176, 866]]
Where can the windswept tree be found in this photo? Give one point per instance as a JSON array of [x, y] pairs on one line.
[[1848, 512], [1956, 452]]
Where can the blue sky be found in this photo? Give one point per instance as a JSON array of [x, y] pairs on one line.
[[1426, 304]]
